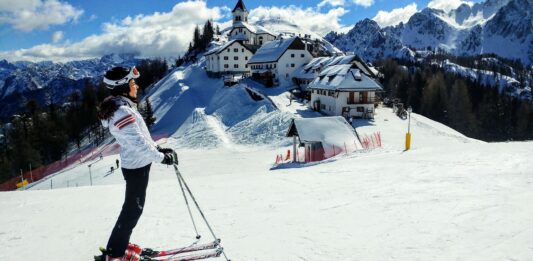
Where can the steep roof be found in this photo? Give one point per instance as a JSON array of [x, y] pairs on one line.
[[273, 50], [239, 5], [344, 77], [226, 45], [328, 130], [241, 24]]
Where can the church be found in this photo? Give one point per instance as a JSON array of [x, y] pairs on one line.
[[242, 30], [244, 40]]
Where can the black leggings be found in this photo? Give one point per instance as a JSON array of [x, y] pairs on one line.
[[136, 183]]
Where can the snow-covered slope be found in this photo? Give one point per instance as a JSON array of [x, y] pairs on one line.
[[201, 113], [449, 198], [482, 28]]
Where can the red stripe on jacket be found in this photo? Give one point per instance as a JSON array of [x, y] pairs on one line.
[[125, 123], [123, 119]]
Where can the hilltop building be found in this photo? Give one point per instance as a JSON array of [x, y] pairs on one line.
[[244, 40], [276, 61], [344, 90]]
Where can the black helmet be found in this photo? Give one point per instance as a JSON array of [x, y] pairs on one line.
[[120, 76]]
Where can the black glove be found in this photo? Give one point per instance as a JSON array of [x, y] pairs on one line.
[[164, 150], [171, 158]]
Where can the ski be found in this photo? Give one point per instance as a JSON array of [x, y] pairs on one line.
[[148, 252], [190, 257]]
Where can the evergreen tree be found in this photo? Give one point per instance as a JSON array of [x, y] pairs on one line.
[[434, 98], [148, 113], [20, 148], [460, 116], [207, 35], [197, 38], [524, 124]]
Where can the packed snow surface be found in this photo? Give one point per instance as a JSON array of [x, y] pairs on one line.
[[448, 198]]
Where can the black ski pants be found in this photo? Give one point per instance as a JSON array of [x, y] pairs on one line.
[[136, 183]]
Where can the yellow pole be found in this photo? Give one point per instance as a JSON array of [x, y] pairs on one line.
[[407, 141], [408, 134]]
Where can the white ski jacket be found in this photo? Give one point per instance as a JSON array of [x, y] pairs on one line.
[[137, 148]]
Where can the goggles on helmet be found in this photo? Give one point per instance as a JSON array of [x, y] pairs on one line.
[[133, 74]]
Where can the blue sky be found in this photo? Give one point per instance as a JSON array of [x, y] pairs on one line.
[[48, 29]]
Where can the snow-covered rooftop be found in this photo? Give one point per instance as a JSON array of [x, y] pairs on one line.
[[272, 51], [226, 45], [262, 30], [344, 77], [246, 25], [331, 131]]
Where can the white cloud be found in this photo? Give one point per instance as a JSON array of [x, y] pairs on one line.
[[365, 3], [28, 15], [447, 5], [333, 3], [165, 34], [155, 35], [394, 17], [57, 36], [93, 17], [310, 19]]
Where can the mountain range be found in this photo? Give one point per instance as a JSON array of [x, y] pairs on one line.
[[501, 27], [50, 82]]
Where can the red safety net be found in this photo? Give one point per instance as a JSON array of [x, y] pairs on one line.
[[87, 155]]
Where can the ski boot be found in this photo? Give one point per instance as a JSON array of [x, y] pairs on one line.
[[131, 254]]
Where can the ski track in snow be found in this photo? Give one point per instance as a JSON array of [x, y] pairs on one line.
[[448, 198]]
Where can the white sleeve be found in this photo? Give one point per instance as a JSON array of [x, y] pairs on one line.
[[130, 132]]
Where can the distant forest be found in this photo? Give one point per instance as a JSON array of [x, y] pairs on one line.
[[45, 133], [477, 111]]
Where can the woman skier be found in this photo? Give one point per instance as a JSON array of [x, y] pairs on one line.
[[118, 112]]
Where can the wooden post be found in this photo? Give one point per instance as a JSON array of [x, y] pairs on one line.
[[31, 174], [90, 175], [294, 148], [345, 149]]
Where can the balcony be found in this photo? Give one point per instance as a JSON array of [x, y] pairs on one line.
[[360, 101]]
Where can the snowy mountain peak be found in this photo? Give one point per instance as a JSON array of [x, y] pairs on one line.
[[475, 29]]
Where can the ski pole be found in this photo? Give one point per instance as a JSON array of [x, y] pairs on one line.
[[189, 209], [178, 174]]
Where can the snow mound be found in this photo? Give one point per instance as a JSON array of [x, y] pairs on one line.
[[199, 112]]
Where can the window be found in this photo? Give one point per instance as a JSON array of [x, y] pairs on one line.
[[236, 50], [235, 58], [235, 66], [246, 66], [292, 65], [242, 50], [360, 109], [226, 58], [246, 58], [322, 106], [302, 55], [226, 66], [292, 55], [229, 50], [287, 65], [274, 65], [240, 30], [287, 75]]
